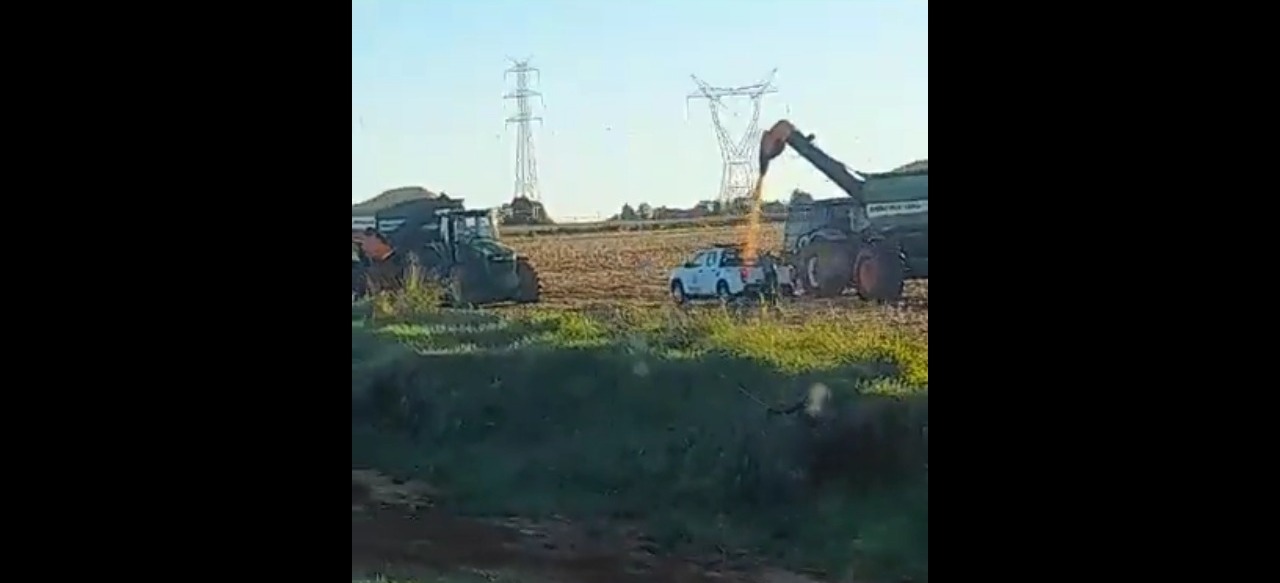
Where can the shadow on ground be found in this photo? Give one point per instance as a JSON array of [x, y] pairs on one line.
[[705, 451]]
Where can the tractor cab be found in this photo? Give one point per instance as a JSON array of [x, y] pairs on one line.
[[477, 266], [463, 225], [473, 232]]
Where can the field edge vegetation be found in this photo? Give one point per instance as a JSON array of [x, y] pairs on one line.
[[805, 444]]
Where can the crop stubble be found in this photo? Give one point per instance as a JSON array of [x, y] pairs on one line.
[[631, 268]]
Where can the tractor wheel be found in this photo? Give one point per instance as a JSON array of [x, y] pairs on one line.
[[457, 287], [432, 263], [359, 282], [824, 269], [879, 272], [530, 285]]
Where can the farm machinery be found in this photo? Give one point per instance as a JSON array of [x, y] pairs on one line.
[[438, 239], [872, 240]]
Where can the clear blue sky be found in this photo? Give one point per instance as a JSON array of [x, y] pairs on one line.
[[427, 84]]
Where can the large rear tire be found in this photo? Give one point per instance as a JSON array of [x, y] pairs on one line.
[[457, 287], [530, 290], [879, 272], [433, 263], [824, 269]]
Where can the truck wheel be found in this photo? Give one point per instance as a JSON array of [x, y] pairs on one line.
[[677, 292], [879, 273], [824, 269], [722, 291], [530, 285]]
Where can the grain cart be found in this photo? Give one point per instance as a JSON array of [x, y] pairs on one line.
[[459, 248], [871, 241]]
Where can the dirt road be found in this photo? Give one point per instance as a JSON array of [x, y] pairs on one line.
[[395, 532]]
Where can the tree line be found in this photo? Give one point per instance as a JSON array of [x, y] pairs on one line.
[[708, 208]]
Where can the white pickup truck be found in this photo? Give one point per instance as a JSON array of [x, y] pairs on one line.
[[719, 272]]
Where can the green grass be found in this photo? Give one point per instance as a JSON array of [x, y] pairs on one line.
[[459, 578], [663, 417]]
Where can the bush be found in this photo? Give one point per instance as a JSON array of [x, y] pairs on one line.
[[417, 296]]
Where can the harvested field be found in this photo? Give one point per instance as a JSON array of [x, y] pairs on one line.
[[630, 268], [621, 266]]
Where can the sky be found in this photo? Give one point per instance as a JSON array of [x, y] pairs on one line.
[[427, 86]]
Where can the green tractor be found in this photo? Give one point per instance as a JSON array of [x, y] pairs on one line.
[[459, 248], [871, 241]]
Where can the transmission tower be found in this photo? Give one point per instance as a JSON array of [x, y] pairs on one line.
[[739, 174], [526, 184]]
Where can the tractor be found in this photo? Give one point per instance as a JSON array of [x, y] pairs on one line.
[[461, 249], [871, 241]]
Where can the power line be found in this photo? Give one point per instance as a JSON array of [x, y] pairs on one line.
[[526, 180], [738, 175]]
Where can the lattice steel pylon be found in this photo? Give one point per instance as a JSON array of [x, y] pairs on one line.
[[739, 174], [526, 182]]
